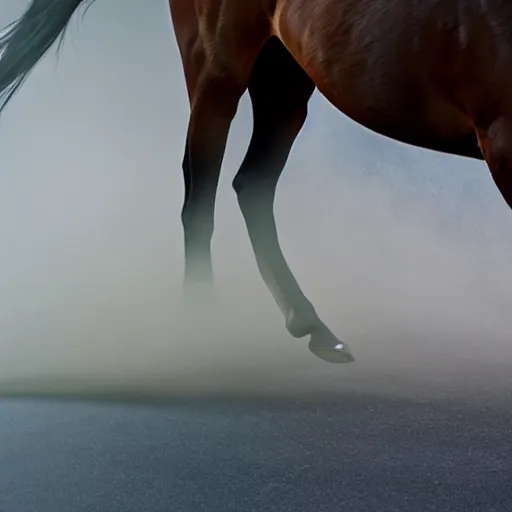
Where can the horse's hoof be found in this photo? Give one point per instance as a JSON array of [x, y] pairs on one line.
[[324, 345]]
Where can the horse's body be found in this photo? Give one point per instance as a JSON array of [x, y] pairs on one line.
[[431, 73]]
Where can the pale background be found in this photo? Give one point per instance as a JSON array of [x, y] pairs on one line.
[[406, 253]]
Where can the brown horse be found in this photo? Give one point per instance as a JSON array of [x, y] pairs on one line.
[[431, 73]]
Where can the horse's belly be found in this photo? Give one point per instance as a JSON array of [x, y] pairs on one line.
[[421, 120], [365, 60], [393, 99]]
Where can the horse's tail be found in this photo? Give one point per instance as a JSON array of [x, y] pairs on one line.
[[25, 41]]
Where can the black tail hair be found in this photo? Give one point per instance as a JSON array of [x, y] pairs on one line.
[[26, 40]]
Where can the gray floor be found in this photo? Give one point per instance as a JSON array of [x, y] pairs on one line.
[[355, 453]]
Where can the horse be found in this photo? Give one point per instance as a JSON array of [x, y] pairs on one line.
[[428, 73]]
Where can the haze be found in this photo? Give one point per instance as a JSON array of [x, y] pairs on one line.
[[404, 252]]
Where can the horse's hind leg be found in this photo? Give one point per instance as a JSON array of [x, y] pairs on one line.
[[218, 51], [213, 107], [280, 91], [214, 96]]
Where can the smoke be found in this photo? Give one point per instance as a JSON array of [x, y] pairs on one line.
[[404, 252]]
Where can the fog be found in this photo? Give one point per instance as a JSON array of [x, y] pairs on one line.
[[404, 252]]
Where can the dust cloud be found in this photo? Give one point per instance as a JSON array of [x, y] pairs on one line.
[[404, 252]]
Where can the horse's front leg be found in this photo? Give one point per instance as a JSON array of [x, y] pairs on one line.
[[496, 145]]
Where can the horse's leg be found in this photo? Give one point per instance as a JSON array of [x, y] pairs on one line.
[[496, 145], [280, 91], [214, 102], [218, 48]]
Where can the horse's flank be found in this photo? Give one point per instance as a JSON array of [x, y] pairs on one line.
[[420, 72]]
